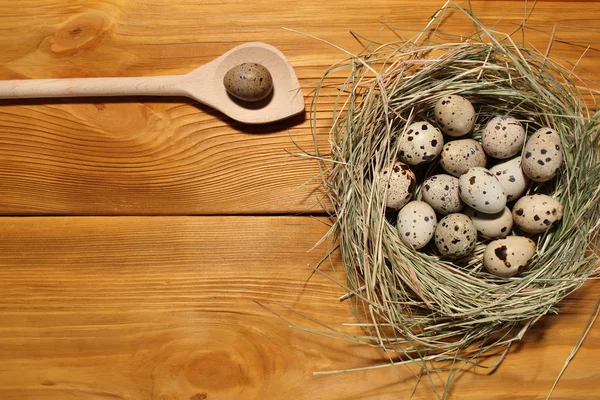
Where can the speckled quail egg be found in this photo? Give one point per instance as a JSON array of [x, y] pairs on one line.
[[455, 236], [441, 193], [542, 155], [491, 226], [421, 142], [506, 257], [537, 213], [248, 82], [455, 115], [512, 178], [460, 155], [416, 224], [503, 137], [480, 190], [397, 184]]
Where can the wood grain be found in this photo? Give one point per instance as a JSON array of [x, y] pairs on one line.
[[103, 304], [163, 308], [127, 156]]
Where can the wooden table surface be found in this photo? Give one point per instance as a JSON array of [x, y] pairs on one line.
[[138, 235]]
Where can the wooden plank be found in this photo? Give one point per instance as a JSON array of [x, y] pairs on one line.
[[157, 156], [163, 308]]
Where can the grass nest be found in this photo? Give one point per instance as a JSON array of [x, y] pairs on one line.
[[417, 305]]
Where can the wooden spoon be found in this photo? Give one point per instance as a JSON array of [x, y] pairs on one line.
[[204, 84]]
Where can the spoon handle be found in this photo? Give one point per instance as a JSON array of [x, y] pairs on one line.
[[92, 87]]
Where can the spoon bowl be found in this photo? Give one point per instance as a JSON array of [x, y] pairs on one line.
[[204, 84]]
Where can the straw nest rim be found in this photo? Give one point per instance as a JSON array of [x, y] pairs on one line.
[[414, 304]]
